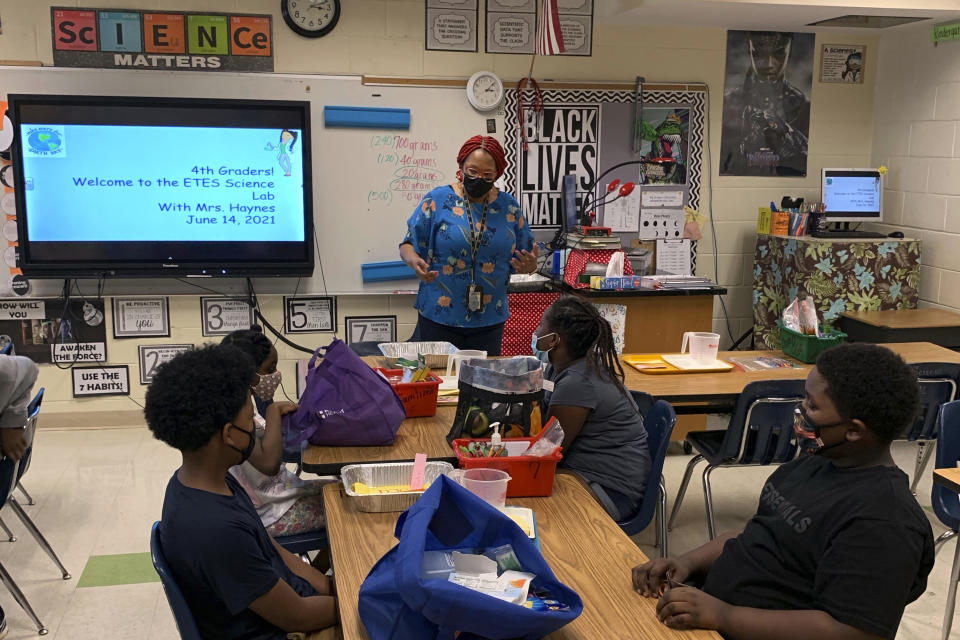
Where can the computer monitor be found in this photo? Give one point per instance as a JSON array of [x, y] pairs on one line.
[[571, 210], [853, 195]]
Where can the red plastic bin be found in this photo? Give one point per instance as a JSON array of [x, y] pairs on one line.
[[419, 398], [530, 476]]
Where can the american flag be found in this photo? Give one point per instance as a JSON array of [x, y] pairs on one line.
[[549, 37]]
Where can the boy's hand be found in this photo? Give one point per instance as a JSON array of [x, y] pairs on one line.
[[689, 608], [283, 408], [651, 578]]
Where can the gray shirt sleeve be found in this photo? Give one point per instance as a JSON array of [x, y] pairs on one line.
[[574, 390], [17, 376]]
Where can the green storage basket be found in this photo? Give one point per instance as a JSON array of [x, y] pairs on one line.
[[806, 348]]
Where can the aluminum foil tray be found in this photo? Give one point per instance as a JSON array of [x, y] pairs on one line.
[[435, 352], [386, 474]]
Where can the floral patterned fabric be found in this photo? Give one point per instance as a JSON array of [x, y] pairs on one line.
[[439, 231], [859, 275]]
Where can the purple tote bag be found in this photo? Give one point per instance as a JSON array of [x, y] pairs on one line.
[[345, 403]]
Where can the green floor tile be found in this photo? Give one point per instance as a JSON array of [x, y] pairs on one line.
[[123, 568]]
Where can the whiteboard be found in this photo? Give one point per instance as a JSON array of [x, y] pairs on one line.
[[367, 182]]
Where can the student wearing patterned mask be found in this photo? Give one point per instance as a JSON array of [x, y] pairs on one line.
[[838, 546], [286, 504]]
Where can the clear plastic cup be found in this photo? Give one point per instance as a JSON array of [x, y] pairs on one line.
[[703, 346], [490, 485], [454, 360]]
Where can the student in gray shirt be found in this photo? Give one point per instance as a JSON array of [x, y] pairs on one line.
[[604, 439]]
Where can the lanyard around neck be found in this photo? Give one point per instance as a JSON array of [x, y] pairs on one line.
[[476, 236]]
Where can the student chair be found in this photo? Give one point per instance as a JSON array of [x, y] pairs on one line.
[[8, 480], [301, 543], [644, 401], [938, 384], [945, 501], [760, 432], [182, 615], [33, 409], [659, 423]]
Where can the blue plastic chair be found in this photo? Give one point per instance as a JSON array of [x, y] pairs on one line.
[[178, 604], [301, 543], [8, 480], [760, 432], [644, 401], [659, 422], [7, 349], [945, 501], [939, 382], [33, 410]]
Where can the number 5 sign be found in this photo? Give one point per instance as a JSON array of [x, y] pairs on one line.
[[309, 314]]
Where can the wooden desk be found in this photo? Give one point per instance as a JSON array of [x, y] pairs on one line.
[[949, 477], [416, 435], [909, 325], [725, 387], [585, 549]]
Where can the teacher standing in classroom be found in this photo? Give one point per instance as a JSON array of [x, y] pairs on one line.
[[463, 241]]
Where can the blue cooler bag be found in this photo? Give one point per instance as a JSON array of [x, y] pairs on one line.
[[396, 604]]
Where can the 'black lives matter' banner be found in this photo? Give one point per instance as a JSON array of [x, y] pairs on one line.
[[561, 141]]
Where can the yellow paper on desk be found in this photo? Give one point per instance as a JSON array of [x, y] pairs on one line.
[[523, 516]]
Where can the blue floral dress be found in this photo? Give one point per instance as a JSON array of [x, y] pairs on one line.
[[439, 232]]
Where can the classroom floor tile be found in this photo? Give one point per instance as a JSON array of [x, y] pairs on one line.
[[99, 491]]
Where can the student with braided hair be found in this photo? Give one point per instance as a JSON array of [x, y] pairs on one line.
[[604, 440]]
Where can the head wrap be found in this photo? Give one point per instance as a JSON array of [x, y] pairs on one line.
[[488, 144]]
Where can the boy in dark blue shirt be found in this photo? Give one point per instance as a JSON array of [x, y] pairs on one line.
[[838, 546], [238, 581]]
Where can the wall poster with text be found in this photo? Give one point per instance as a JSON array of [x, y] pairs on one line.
[[766, 103]]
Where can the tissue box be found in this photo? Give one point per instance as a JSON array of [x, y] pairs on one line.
[[623, 282]]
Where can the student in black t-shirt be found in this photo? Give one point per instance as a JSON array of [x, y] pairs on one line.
[[238, 581], [838, 546]]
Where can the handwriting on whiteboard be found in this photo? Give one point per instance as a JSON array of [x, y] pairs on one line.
[[414, 163]]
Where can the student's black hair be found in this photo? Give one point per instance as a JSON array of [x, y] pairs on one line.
[[587, 334], [197, 392], [292, 142], [873, 384], [251, 341]]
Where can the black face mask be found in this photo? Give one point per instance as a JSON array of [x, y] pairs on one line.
[[476, 187], [247, 450], [808, 433]]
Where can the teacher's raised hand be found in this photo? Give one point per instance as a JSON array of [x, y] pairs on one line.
[[525, 261]]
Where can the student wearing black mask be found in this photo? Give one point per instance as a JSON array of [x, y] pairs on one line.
[[238, 582], [838, 546], [463, 241]]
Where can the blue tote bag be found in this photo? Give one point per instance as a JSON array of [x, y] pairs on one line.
[[396, 604]]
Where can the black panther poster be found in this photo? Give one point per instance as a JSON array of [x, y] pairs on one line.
[[766, 103]]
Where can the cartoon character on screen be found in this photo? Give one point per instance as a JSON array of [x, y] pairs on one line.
[[288, 139]]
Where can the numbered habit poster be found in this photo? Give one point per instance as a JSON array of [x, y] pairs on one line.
[[77, 336]]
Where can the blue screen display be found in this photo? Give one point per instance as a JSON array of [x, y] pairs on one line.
[[122, 183]]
